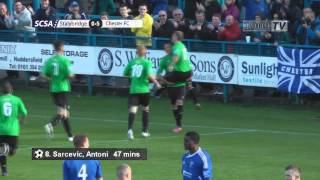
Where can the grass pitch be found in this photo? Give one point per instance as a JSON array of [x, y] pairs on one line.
[[246, 142]]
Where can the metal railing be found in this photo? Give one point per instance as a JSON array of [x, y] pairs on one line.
[[90, 39]]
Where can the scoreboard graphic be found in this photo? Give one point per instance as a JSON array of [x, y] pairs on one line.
[[93, 23]]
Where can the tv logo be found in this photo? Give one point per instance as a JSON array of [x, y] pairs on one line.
[[273, 26], [279, 26], [45, 23]]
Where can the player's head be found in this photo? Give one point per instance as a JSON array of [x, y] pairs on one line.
[[177, 36], [124, 172], [7, 88], [81, 141], [45, 4], [124, 11], [167, 48], [191, 140], [141, 50], [58, 46], [143, 9], [292, 172]]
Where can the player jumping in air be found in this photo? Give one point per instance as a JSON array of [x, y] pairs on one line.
[[180, 69], [57, 71], [176, 91], [82, 169], [140, 73], [166, 60], [11, 109]]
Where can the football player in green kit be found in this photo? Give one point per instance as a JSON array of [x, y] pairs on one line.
[[176, 91], [11, 109], [179, 69], [139, 70], [57, 71]]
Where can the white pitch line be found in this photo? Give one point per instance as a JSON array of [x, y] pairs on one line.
[[196, 126], [98, 142]]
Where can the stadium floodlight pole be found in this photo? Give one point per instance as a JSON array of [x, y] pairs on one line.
[[36, 4]]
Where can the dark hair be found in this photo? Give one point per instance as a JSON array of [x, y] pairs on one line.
[[200, 12], [7, 87], [294, 168], [261, 15], [194, 136], [179, 34], [143, 4], [123, 5], [57, 45], [79, 139], [217, 15]]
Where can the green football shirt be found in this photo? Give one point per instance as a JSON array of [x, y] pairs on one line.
[[139, 70], [183, 64], [11, 107], [163, 67], [57, 68]]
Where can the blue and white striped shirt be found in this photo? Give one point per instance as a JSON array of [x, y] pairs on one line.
[[197, 166]]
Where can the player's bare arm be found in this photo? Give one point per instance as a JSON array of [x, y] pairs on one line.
[[154, 80]]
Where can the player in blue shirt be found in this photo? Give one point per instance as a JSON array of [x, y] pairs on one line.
[[196, 162], [82, 169]]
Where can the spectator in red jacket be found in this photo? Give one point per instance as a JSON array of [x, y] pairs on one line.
[[231, 31], [230, 8]]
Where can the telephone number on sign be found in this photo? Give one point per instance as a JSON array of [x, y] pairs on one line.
[[25, 67]]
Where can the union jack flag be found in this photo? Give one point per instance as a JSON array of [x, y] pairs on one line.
[[298, 70]]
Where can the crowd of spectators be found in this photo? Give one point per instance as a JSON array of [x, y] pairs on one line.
[[218, 20], [200, 19]]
